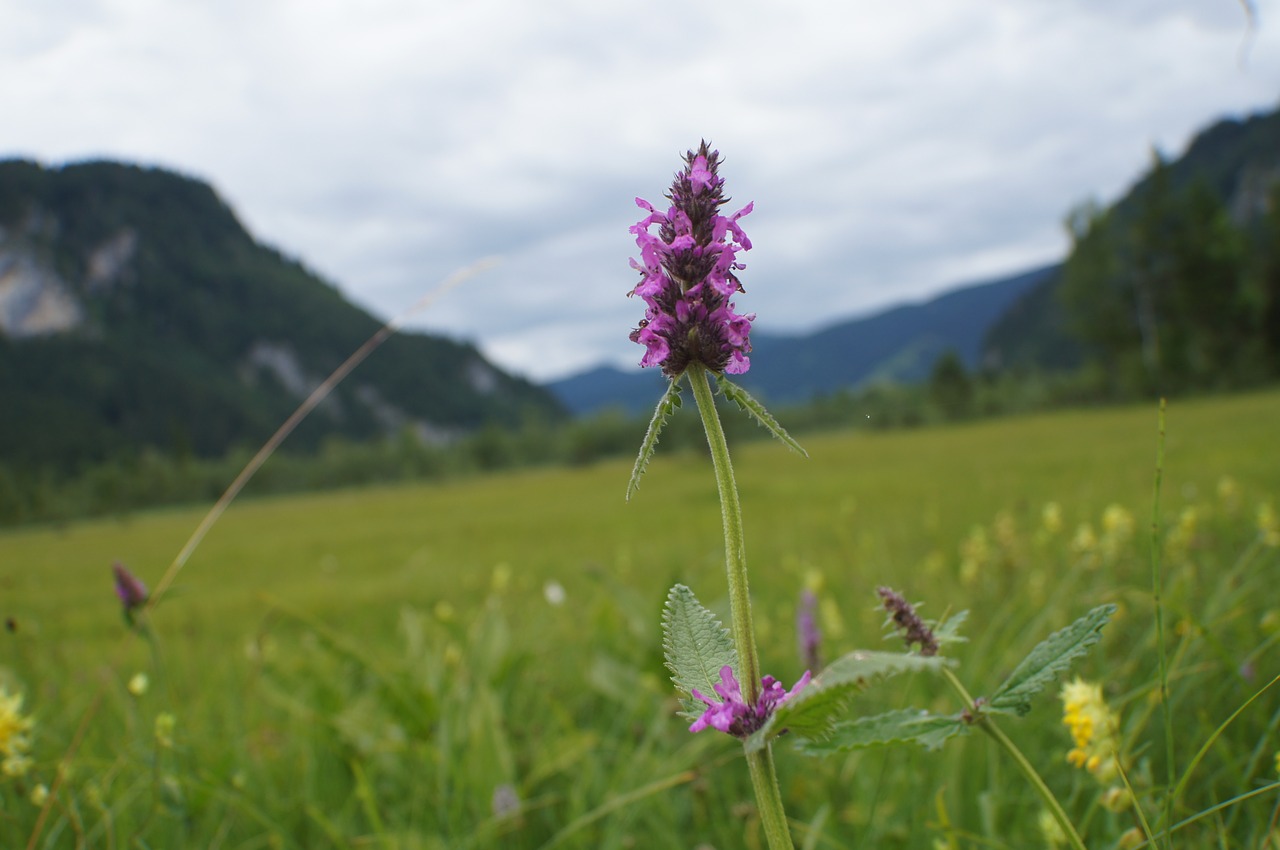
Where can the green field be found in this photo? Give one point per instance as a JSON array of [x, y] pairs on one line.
[[366, 668]]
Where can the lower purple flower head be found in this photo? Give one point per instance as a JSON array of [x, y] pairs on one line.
[[808, 635], [687, 275], [130, 589], [733, 715]]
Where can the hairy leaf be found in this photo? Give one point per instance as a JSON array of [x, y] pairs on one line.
[[667, 405], [1049, 659], [813, 712], [746, 402], [695, 647], [908, 725]]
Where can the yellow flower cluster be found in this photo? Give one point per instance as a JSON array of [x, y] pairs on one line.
[[164, 726], [1117, 531], [1181, 539], [1051, 518], [975, 554], [1268, 525], [1094, 729], [15, 738]]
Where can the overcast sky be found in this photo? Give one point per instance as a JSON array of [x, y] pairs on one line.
[[893, 150]]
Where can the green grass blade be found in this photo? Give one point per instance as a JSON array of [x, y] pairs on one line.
[[1209, 742]]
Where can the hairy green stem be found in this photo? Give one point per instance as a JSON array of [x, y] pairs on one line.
[[764, 777], [988, 726], [735, 555]]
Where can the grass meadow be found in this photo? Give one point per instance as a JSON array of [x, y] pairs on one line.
[[477, 663]]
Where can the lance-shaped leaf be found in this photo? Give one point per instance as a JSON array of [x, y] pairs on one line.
[[695, 647], [812, 712], [746, 402], [908, 725], [667, 405], [1050, 658]]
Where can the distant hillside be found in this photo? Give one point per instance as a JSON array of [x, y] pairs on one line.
[[1236, 161], [900, 344], [1024, 322], [135, 310]]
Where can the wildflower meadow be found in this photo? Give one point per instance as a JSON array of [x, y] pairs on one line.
[[1054, 630]]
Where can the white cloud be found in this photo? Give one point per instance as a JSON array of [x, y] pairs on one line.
[[891, 149]]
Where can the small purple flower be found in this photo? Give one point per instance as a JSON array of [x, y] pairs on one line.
[[733, 715], [687, 275], [908, 623], [130, 589], [807, 634]]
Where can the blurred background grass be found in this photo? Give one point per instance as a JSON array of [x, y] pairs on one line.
[[368, 667]]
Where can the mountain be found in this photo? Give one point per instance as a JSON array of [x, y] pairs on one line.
[[136, 311], [899, 344], [1023, 321], [1235, 161]]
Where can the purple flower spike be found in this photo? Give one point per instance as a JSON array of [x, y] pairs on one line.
[[130, 589], [687, 275], [807, 633], [733, 715]]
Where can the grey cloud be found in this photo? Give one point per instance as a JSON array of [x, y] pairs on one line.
[[891, 150]]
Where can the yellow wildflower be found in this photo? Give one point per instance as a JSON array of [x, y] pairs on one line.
[[39, 795], [1085, 545], [1054, 837], [165, 724], [975, 553], [138, 684], [501, 578], [1182, 536], [1268, 524], [1094, 729], [1117, 530], [1051, 518], [15, 738], [1228, 493], [444, 611], [1132, 838], [1117, 799]]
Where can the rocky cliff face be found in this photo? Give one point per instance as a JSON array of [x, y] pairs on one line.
[[34, 300], [136, 310]]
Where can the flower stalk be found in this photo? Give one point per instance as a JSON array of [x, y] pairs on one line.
[[764, 778], [973, 709]]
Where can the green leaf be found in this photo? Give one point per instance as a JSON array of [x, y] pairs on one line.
[[815, 710], [743, 399], [948, 631], [1049, 659], [908, 725], [667, 405], [695, 647]]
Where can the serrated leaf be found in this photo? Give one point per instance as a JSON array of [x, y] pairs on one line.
[[812, 712], [695, 647], [744, 400], [667, 405], [948, 631], [909, 725], [1049, 659]]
